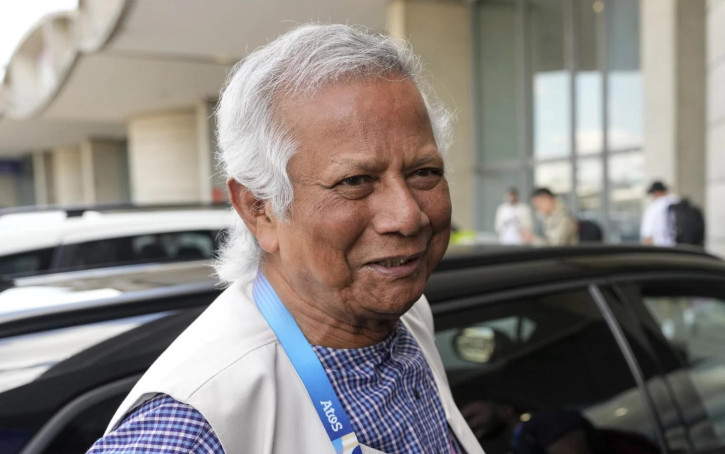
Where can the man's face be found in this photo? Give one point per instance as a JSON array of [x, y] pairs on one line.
[[512, 198], [371, 212], [543, 204]]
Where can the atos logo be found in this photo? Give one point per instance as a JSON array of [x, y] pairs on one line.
[[330, 413]]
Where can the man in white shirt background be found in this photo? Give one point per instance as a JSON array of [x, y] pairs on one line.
[[513, 219], [656, 229]]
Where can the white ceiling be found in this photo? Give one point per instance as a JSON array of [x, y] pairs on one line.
[[231, 27], [112, 87], [166, 55], [20, 136]]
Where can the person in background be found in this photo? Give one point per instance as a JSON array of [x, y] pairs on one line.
[[560, 228], [655, 229], [513, 219]]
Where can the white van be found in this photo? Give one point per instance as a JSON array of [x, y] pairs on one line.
[[52, 240]]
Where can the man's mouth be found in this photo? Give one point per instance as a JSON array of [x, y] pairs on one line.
[[389, 263]]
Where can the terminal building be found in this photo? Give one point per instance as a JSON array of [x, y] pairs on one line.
[[594, 99]]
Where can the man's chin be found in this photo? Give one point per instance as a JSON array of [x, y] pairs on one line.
[[394, 306]]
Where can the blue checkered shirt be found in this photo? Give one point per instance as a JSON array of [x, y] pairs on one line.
[[387, 389]]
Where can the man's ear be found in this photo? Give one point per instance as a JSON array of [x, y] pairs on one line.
[[256, 214]]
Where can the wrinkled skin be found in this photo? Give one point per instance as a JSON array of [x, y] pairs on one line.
[[371, 212]]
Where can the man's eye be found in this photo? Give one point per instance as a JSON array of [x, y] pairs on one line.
[[357, 180], [428, 171], [426, 178]]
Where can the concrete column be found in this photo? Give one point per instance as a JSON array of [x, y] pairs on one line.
[[67, 175], [105, 176], [205, 150], [87, 172], [163, 152], [42, 178], [440, 33], [716, 127], [8, 191], [673, 67]]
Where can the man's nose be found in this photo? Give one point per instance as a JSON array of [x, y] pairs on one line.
[[397, 210]]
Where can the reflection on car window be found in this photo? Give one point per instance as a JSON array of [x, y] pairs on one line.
[[541, 374], [148, 248], [30, 262], [85, 429], [692, 322], [26, 357], [42, 373]]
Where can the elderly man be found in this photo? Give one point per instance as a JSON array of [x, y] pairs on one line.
[[323, 342]]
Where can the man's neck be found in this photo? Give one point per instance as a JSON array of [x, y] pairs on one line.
[[329, 328]]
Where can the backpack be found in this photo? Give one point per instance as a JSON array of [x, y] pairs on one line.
[[687, 225], [589, 231]]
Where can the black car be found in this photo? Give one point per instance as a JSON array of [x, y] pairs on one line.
[[619, 349]]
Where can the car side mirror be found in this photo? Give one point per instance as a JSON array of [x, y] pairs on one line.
[[475, 344]]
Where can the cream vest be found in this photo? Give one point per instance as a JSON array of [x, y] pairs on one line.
[[229, 366]]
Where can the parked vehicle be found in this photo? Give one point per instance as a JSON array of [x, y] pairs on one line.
[[48, 240], [622, 346]]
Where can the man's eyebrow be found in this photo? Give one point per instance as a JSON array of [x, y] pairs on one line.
[[367, 165], [425, 159], [361, 165]]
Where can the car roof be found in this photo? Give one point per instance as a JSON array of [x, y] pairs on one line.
[[75, 290], [479, 270], [465, 271], [42, 229]]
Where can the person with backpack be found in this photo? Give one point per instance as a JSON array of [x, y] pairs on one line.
[[670, 220]]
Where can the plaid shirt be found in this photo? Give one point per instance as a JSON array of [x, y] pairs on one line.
[[387, 390]]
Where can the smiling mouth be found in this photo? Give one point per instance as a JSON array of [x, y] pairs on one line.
[[398, 266], [390, 263]]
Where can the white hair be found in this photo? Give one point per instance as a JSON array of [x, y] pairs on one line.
[[254, 145]]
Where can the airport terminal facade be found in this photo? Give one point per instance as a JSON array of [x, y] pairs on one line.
[[591, 98]]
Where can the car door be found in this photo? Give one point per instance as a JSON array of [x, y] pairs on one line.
[[683, 318], [539, 369], [59, 387]]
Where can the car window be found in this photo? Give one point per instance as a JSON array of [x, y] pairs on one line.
[[30, 262], [83, 430], [689, 316], [160, 247], [43, 372], [541, 372]]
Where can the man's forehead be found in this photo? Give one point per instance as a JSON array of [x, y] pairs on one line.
[[345, 99]]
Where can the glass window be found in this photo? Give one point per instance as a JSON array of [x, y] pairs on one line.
[[550, 79], [624, 76], [83, 430], [554, 175], [542, 372], [27, 357], [499, 88], [589, 183], [690, 317], [527, 52], [493, 186], [627, 186], [26, 263], [44, 371], [589, 136], [148, 248], [625, 110]]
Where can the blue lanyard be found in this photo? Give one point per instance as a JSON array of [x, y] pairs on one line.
[[308, 366]]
